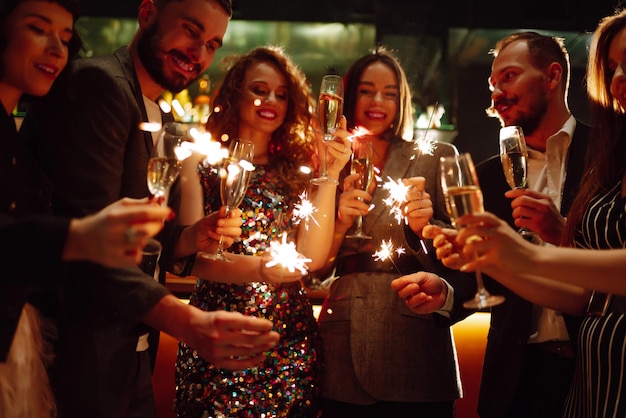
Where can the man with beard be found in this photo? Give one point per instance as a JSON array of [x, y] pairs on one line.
[[86, 135], [529, 362]]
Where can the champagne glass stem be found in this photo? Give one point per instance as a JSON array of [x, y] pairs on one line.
[[325, 169], [220, 243], [359, 223]]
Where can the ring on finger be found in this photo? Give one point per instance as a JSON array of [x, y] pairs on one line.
[[130, 234]]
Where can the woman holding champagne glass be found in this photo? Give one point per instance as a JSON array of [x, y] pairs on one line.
[[380, 359], [264, 98]]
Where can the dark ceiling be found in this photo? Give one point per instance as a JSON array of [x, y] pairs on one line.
[[408, 16], [445, 44]]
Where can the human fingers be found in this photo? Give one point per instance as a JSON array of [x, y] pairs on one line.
[[278, 273], [401, 282], [431, 231], [416, 187], [420, 207]]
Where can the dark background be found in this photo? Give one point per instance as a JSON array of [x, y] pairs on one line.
[[445, 45]]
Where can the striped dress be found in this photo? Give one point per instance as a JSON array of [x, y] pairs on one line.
[[599, 386]]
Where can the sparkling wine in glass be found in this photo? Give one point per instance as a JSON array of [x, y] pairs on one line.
[[363, 166], [330, 109], [236, 174], [166, 160], [463, 196], [514, 157]]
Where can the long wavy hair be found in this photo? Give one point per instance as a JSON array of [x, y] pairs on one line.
[[8, 6], [605, 164], [291, 146], [402, 126]]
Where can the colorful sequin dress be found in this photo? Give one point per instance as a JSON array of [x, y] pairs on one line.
[[286, 384]]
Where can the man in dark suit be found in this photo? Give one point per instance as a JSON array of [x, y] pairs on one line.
[[86, 135], [529, 358]]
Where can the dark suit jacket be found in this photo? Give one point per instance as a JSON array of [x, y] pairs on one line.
[[86, 136], [510, 321], [375, 348]]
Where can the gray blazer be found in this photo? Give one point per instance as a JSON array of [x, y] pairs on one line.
[[375, 348]]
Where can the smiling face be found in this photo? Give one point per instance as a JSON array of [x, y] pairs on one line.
[[377, 98], [38, 34], [178, 41], [518, 88], [263, 102]]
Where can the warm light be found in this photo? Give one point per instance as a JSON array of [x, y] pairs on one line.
[[304, 210], [150, 126], [397, 196], [359, 132], [178, 108], [165, 106], [386, 253], [285, 254]]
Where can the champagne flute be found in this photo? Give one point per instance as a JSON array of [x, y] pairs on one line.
[[514, 157], [166, 160], [164, 166], [236, 175], [330, 108], [463, 196], [363, 166]]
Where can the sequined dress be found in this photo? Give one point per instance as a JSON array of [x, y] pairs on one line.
[[598, 388], [285, 385]]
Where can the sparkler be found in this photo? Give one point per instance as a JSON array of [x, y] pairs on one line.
[[358, 132], [386, 253], [202, 144], [397, 196], [426, 145], [285, 254], [304, 210]]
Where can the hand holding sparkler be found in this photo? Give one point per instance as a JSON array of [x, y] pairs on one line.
[[283, 263], [423, 292], [418, 209]]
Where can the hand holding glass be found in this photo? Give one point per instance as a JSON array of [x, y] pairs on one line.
[[236, 175], [514, 157], [363, 166], [463, 196], [330, 109], [163, 168], [166, 160]]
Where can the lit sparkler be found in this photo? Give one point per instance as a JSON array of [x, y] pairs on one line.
[[285, 254], [397, 196], [386, 253], [304, 211], [358, 132], [425, 144]]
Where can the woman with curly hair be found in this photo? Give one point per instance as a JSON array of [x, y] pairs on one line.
[[264, 98]]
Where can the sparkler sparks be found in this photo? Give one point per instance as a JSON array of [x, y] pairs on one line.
[[386, 253], [304, 210], [358, 132], [285, 254], [425, 145], [397, 196]]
